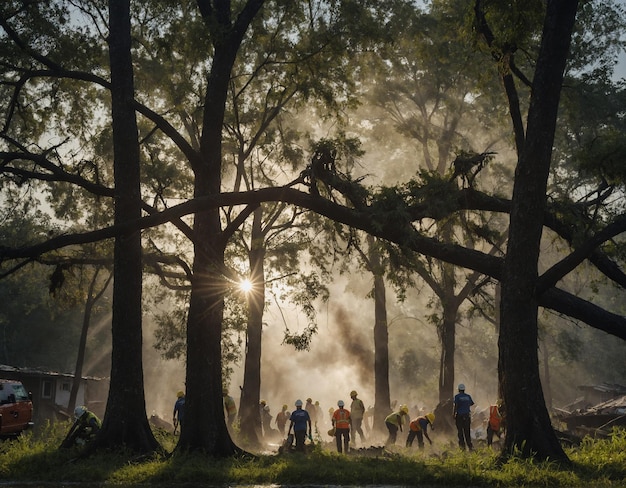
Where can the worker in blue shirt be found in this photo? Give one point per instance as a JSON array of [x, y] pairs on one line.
[[300, 420], [462, 417]]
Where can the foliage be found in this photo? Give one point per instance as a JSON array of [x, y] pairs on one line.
[[34, 458]]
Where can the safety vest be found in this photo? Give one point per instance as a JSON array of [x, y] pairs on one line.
[[415, 423], [342, 418], [494, 417], [394, 418], [357, 408]]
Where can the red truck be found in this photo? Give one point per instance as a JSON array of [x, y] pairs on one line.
[[16, 408]]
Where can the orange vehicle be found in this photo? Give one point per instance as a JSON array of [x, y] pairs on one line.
[[16, 408]]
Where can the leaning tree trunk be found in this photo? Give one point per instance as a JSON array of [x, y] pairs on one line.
[[528, 424], [82, 344], [125, 422], [250, 419]]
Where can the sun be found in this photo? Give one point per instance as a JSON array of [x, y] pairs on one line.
[[245, 285]]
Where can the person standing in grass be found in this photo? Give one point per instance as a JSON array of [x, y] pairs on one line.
[[341, 423], [357, 410], [281, 420], [300, 419], [462, 417], [495, 424], [179, 410]]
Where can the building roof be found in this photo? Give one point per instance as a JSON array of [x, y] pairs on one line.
[[612, 388], [41, 373]]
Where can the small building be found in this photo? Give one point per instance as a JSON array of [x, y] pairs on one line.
[[51, 392]]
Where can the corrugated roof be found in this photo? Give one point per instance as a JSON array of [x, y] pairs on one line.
[[30, 371], [605, 387]]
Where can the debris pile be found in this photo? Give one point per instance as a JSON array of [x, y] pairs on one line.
[[598, 420]]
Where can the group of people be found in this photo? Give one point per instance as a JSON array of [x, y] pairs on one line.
[[345, 421]]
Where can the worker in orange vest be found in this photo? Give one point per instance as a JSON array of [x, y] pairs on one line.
[[341, 422], [495, 425], [418, 427]]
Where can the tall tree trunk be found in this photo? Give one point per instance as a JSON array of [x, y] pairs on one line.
[[205, 424], [528, 424], [447, 337], [382, 396], [251, 392], [125, 421]]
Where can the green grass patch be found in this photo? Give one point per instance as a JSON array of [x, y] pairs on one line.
[[35, 458]]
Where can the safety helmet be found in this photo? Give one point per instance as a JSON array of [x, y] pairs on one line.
[[285, 407], [180, 394], [263, 402], [461, 387], [353, 393], [404, 409], [430, 417], [298, 403], [340, 403], [79, 411]]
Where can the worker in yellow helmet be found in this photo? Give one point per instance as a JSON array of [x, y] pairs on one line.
[[418, 427], [281, 419], [357, 411], [179, 410], [394, 421]]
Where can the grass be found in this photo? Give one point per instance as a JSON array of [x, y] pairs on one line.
[[34, 459]]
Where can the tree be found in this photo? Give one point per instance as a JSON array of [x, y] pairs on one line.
[[125, 421], [528, 424], [427, 88]]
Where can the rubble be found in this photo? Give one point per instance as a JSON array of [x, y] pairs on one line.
[[598, 420]]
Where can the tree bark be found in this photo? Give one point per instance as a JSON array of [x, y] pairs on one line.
[[205, 425], [251, 392], [528, 424], [382, 396], [125, 421]]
